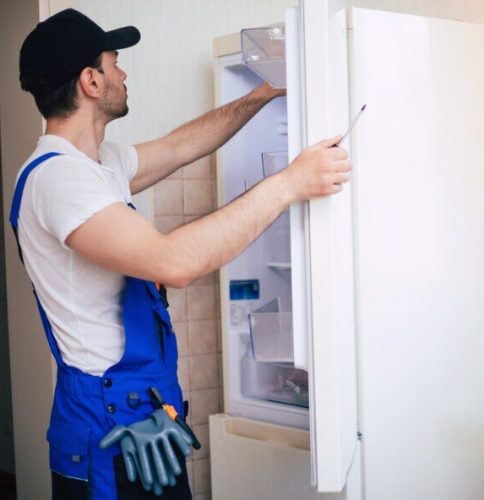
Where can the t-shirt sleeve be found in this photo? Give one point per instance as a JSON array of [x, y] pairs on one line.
[[120, 154], [66, 192]]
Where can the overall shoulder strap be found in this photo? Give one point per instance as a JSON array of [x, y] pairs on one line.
[[14, 213], [17, 195]]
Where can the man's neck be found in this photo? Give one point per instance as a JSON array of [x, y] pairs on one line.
[[81, 130]]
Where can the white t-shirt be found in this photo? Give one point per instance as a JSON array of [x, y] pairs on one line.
[[81, 300]]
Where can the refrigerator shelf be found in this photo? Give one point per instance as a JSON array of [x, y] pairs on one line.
[[280, 265]]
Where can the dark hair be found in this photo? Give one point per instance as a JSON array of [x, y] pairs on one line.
[[60, 103]]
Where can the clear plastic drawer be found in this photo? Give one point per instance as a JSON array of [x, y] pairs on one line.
[[275, 382], [271, 333], [263, 50]]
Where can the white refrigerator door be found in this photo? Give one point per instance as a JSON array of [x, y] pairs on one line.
[[419, 180], [321, 244]]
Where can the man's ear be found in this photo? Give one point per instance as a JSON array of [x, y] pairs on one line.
[[90, 82]]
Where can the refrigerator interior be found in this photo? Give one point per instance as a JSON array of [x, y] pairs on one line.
[[260, 379]]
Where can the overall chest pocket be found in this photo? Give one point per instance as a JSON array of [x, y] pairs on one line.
[[69, 449]]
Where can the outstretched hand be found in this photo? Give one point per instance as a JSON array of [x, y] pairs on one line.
[[266, 90]]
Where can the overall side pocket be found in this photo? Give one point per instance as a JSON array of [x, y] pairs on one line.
[[69, 449]]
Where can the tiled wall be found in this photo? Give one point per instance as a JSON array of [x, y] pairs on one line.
[[181, 198]]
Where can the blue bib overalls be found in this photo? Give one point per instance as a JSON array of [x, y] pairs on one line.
[[86, 407]]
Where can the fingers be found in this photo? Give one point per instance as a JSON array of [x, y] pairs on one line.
[[129, 463], [114, 435], [182, 440], [342, 166], [337, 154], [145, 464], [157, 489], [340, 178], [160, 469], [171, 476], [135, 457], [329, 143], [170, 455], [335, 189]]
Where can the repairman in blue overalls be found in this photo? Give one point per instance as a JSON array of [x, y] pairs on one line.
[[117, 428]]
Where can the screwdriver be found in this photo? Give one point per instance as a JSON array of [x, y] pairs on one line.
[[350, 128], [159, 402]]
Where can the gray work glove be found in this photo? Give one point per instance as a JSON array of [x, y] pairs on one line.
[[147, 449]]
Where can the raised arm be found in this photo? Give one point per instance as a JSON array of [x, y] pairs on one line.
[[119, 239], [159, 158]]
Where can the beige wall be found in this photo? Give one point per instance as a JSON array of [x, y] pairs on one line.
[[170, 81], [30, 362]]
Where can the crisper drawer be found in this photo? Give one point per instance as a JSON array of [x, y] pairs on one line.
[[275, 382]]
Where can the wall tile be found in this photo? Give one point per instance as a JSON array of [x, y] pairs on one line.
[[214, 167], [202, 433], [220, 370], [217, 299], [202, 476], [181, 330], [202, 336], [203, 371], [177, 174], [219, 334], [201, 302], [204, 403], [203, 496], [177, 297], [166, 223], [198, 197], [184, 374], [169, 197], [221, 401], [191, 218], [200, 169], [207, 279]]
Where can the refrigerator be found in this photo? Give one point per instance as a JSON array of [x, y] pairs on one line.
[[353, 327]]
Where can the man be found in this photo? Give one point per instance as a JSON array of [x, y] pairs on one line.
[[93, 260]]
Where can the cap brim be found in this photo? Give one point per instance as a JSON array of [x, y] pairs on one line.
[[122, 38]]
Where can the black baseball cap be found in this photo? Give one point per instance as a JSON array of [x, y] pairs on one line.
[[61, 46]]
